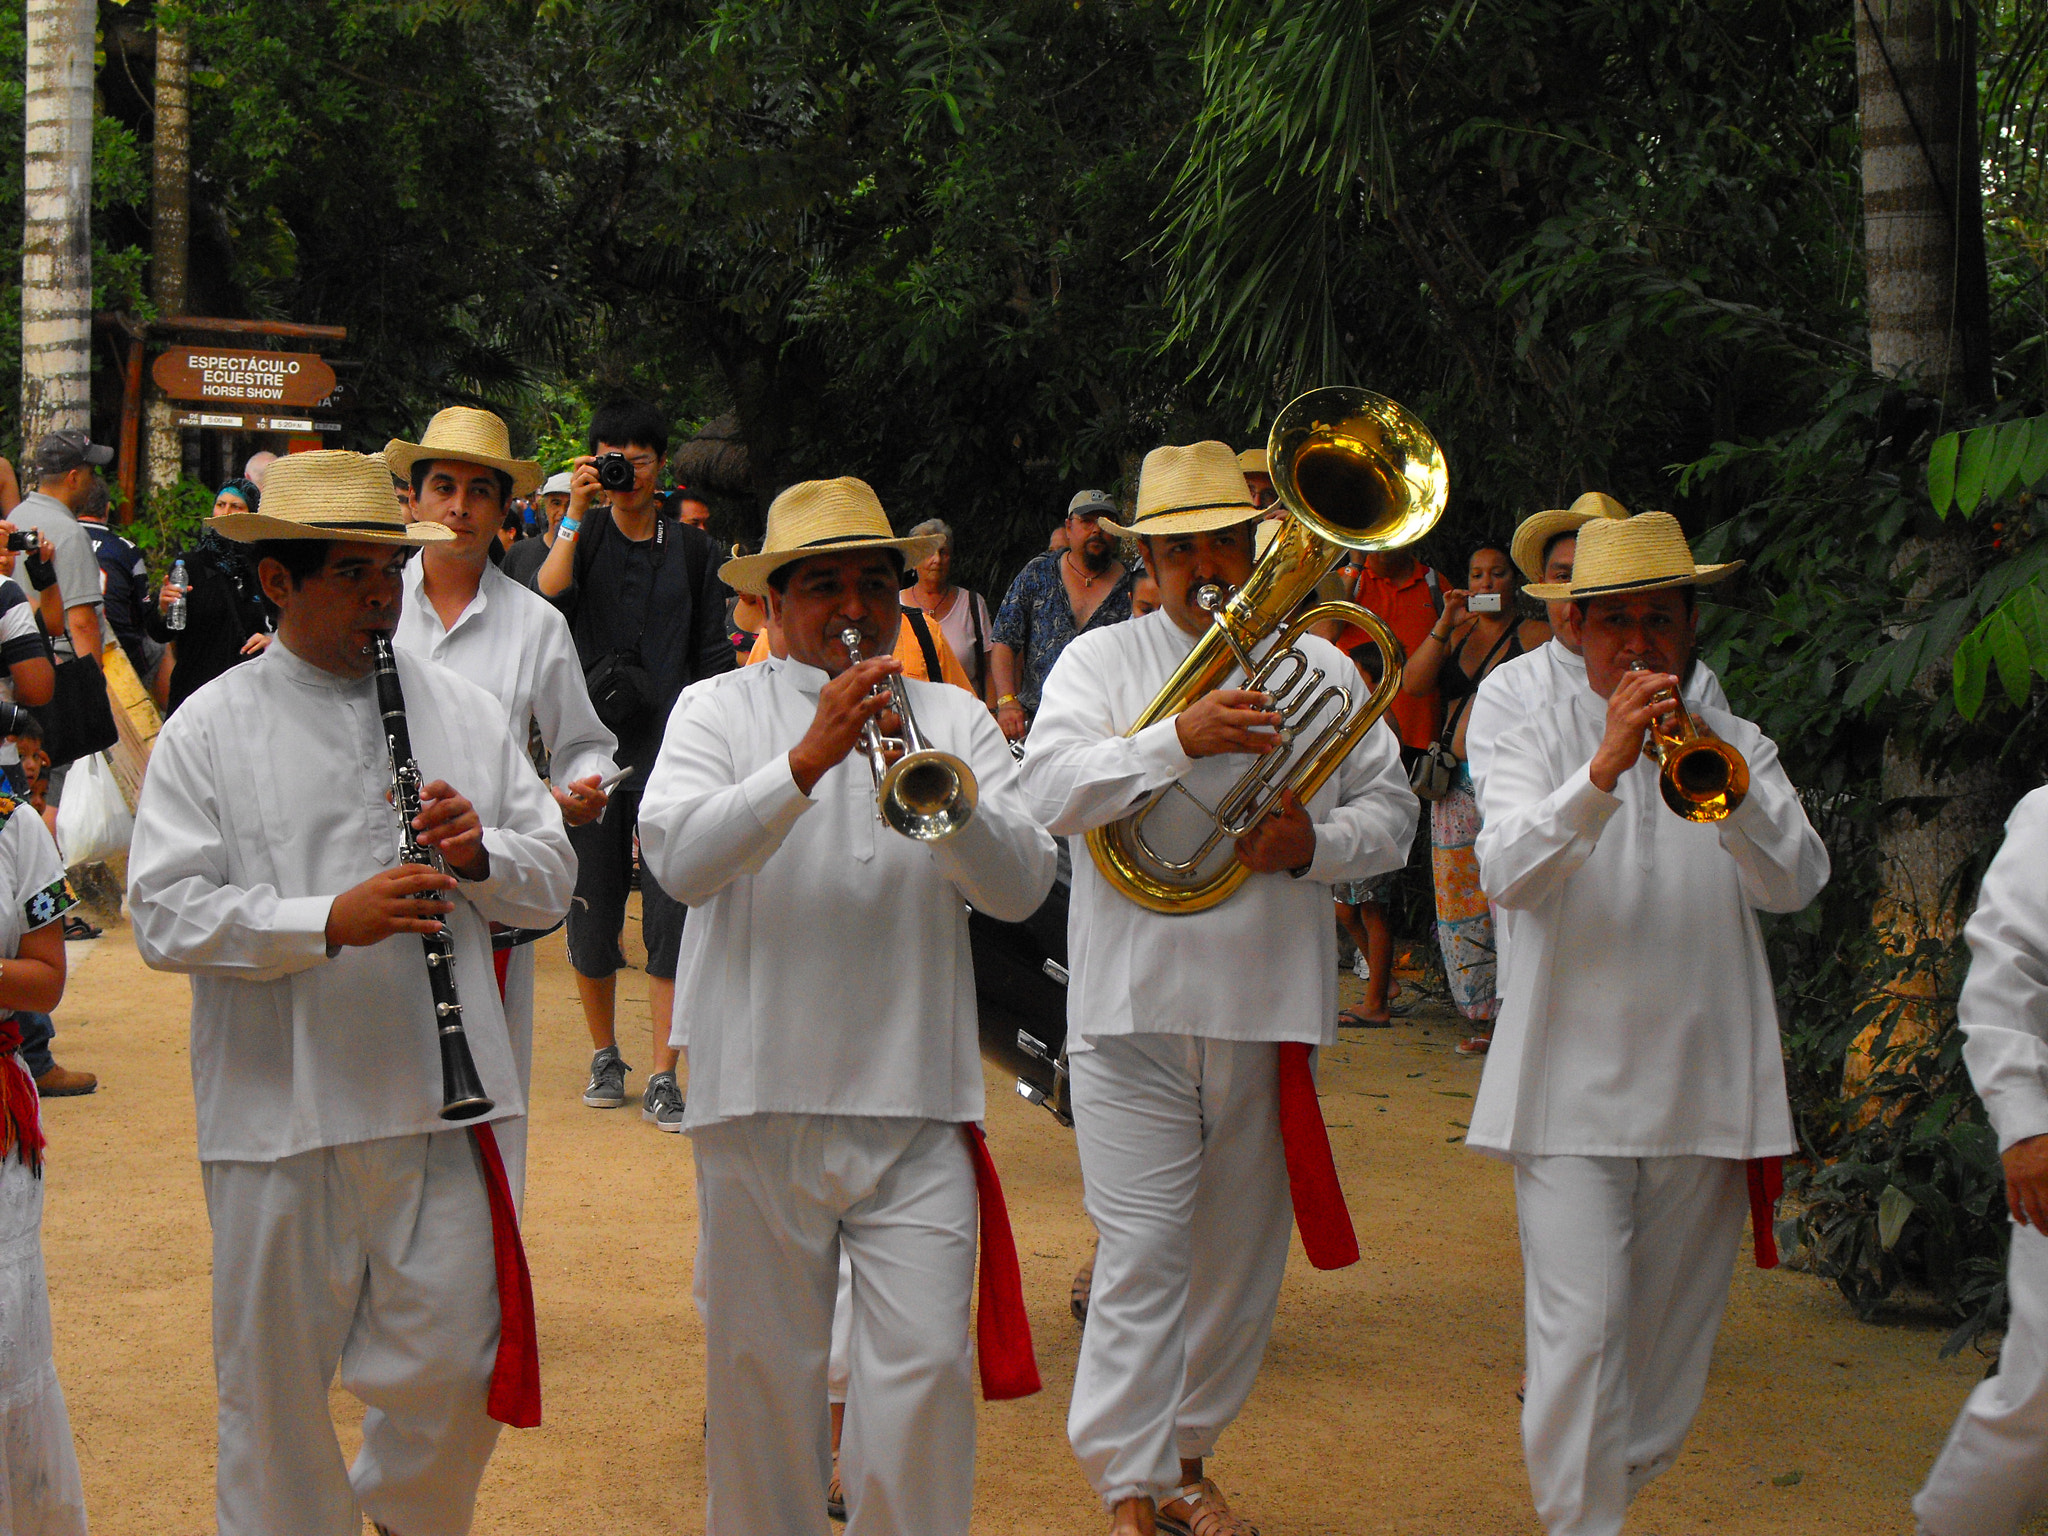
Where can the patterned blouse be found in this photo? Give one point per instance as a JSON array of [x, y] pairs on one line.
[[1037, 620]]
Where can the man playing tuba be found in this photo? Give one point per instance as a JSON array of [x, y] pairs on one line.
[[1187, 1029]]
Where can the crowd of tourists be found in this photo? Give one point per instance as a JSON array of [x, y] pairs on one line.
[[423, 708]]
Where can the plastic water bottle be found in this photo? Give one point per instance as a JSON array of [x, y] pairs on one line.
[[175, 619]]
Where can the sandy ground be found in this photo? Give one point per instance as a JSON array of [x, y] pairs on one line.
[[1387, 1401]]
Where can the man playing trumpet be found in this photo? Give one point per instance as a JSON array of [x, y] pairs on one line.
[[834, 1041], [1635, 1081], [1181, 1024]]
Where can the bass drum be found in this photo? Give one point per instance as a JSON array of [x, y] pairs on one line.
[[1020, 982]]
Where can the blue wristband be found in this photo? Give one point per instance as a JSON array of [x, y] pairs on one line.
[[567, 528]]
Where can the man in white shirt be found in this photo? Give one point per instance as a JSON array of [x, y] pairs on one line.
[[357, 1236], [463, 612], [1187, 1029], [1993, 1473], [1544, 547], [1636, 1081], [829, 1113]]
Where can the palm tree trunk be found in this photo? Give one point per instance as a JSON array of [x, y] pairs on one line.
[[170, 236], [56, 247]]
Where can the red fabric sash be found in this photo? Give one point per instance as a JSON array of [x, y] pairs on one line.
[[1766, 1183], [515, 1375], [1319, 1209], [21, 1122], [1002, 1332]]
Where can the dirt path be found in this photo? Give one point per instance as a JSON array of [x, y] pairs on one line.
[[1387, 1401]]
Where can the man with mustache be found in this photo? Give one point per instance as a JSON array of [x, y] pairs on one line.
[[1060, 594]]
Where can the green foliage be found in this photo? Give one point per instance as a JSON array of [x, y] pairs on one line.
[[170, 522]]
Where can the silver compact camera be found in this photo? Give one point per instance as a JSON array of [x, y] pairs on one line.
[[1485, 602]]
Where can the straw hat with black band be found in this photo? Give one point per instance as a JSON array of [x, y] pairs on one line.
[[328, 494], [1193, 489], [821, 517], [1537, 530], [1619, 556], [471, 436]]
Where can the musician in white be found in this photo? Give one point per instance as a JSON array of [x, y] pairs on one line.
[[352, 1234], [463, 612], [1636, 1068], [1993, 1473], [1544, 547], [1175, 1020], [835, 1069]]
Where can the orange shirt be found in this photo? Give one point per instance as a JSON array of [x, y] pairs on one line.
[[908, 651], [1410, 612]]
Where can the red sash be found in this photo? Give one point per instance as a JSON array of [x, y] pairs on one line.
[[21, 1123], [1002, 1333], [1766, 1183], [1319, 1210], [515, 1375]]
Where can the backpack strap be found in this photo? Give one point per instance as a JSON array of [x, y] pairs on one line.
[[920, 628]]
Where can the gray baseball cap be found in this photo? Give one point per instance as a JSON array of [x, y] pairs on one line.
[[60, 452], [1086, 502]]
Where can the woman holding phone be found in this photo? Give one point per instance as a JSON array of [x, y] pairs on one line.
[[1477, 631]]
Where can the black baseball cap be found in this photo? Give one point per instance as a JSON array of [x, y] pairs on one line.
[[60, 452]]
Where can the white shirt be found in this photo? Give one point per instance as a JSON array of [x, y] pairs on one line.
[[515, 644], [265, 799], [32, 890], [2004, 1005], [1260, 965], [1516, 689], [825, 968], [1637, 1016]]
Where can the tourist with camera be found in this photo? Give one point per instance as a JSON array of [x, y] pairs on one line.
[[644, 604]]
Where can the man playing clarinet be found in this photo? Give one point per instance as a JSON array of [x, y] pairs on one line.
[[1635, 1081], [1187, 1031], [357, 1235]]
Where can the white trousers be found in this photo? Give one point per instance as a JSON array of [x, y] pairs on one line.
[[371, 1263], [40, 1491], [1184, 1177], [1626, 1264], [840, 1366], [779, 1198], [1993, 1473]]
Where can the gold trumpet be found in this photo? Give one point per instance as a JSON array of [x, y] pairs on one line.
[[1701, 777], [1354, 471], [925, 794]]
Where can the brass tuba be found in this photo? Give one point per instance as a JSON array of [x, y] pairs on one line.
[[1354, 471]]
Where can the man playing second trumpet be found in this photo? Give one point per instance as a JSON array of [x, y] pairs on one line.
[[1635, 1081], [1181, 1024]]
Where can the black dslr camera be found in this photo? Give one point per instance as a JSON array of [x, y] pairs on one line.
[[21, 539], [614, 472]]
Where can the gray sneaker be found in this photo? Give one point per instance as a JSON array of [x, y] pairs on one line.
[[607, 1088], [662, 1103]]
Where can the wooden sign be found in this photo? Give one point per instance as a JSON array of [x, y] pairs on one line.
[[239, 377]]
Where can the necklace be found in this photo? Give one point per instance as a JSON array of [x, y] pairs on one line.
[[1079, 575]]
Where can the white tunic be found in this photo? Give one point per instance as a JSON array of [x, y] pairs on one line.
[[515, 644], [1258, 966], [2004, 1004], [825, 968], [1637, 1016], [1516, 689], [266, 799]]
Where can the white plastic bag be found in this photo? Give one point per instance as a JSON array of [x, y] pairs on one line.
[[93, 821]]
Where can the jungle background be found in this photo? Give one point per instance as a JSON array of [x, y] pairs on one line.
[[985, 254]]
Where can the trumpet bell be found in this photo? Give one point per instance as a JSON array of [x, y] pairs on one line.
[[1357, 469], [927, 795], [1703, 779]]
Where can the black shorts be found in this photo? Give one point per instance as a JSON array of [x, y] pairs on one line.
[[604, 869]]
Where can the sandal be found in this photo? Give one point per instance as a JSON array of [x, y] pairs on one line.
[[1208, 1514], [78, 928], [1476, 1046], [1351, 1018], [1084, 1287], [835, 1495]]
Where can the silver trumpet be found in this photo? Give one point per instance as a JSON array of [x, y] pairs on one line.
[[925, 794]]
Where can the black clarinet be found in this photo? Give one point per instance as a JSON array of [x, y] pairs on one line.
[[462, 1091]]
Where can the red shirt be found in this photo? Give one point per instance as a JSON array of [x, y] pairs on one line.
[[1410, 609]]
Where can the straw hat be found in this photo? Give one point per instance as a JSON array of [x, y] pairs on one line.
[[1538, 530], [1631, 554], [821, 517], [474, 437], [328, 494], [1194, 489], [1252, 461]]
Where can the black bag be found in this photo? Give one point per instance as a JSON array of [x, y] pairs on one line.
[[620, 689], [79, 720]]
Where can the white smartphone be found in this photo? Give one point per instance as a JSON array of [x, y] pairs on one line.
[[1484, 602]]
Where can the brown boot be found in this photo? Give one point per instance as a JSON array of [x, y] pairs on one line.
[[63, 1083]]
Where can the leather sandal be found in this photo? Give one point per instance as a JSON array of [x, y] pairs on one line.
[[835, 1495], [1084, 1286], [1207, 1513]]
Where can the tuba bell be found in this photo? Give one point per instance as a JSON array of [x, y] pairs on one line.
[[1354, 470]]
